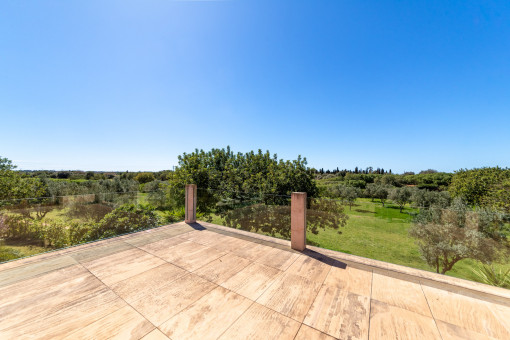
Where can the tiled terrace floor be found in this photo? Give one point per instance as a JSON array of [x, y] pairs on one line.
[[184, 282]]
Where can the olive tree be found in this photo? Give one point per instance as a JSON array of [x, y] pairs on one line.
[[348, 194], [446, 236], [401, 196]]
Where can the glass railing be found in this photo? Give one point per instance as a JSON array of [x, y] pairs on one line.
[[364, 228], [36, 225], [261, 213]]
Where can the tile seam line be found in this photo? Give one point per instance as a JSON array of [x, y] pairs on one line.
[[315, 298], [370, 305], [430, 309], [108, 287], [301, 322]]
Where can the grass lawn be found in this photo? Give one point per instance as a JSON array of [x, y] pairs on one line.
[[13, 250]]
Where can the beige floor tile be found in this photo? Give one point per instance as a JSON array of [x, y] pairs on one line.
[[148, 282], [52, 295], [351, 279], [308, 333], [58, 324], [45, 294], [208, 317], [28, 271], [204, 237], [340, 313], [469, 313], [189, 255], [279, 259], [390, 322], [124, 323], [259, 322], [253, 251], [117, 267], [103, 249], [162, 247], [223, 268], [252, 281], [231, 244], [169, 300], [291, 295], [309, 268], [155, 335], [452, 332], [147, 238], [400, 293], [39, 285]]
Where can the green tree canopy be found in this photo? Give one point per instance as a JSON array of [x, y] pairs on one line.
[[483, 187], [14, 185], [239, 173]]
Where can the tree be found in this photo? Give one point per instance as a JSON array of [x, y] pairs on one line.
[[423, 198], [401, 196], [15, 185], [446, 236], [370, 191], [348, 194], [381, 192], [144, 177], [480, 187]]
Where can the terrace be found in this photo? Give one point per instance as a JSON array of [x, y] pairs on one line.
[[198, 280]]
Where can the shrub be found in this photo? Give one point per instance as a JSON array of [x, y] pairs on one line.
[[126, 218], [491, 276]]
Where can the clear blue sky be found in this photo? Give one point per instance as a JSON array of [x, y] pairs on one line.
[[129, 85]]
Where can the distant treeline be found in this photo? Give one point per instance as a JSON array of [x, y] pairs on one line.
[[438, 181], [93, 175]]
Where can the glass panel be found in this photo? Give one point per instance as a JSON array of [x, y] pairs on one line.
[[254, 212], [32, 226]]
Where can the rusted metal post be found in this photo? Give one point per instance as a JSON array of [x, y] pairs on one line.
[[298, 221], [191, 203]]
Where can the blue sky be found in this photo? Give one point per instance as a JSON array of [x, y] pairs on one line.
[[129, 85]]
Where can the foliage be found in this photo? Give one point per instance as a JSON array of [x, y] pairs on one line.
[[7, 254], [446, 236], [348, 194], [91, 212], [125, 219], [239, 173], [401, 196], [14, 185], [54, 232], [483, 187], [144, 177], [426, 198], [274, 219], [492, 276]]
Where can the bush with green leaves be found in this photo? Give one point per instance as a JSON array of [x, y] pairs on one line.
[[54, 233], [125, 219]]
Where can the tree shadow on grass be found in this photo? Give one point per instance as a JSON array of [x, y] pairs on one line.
[[364, 211]]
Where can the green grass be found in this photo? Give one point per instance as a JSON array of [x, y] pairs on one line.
[[16, 249]]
